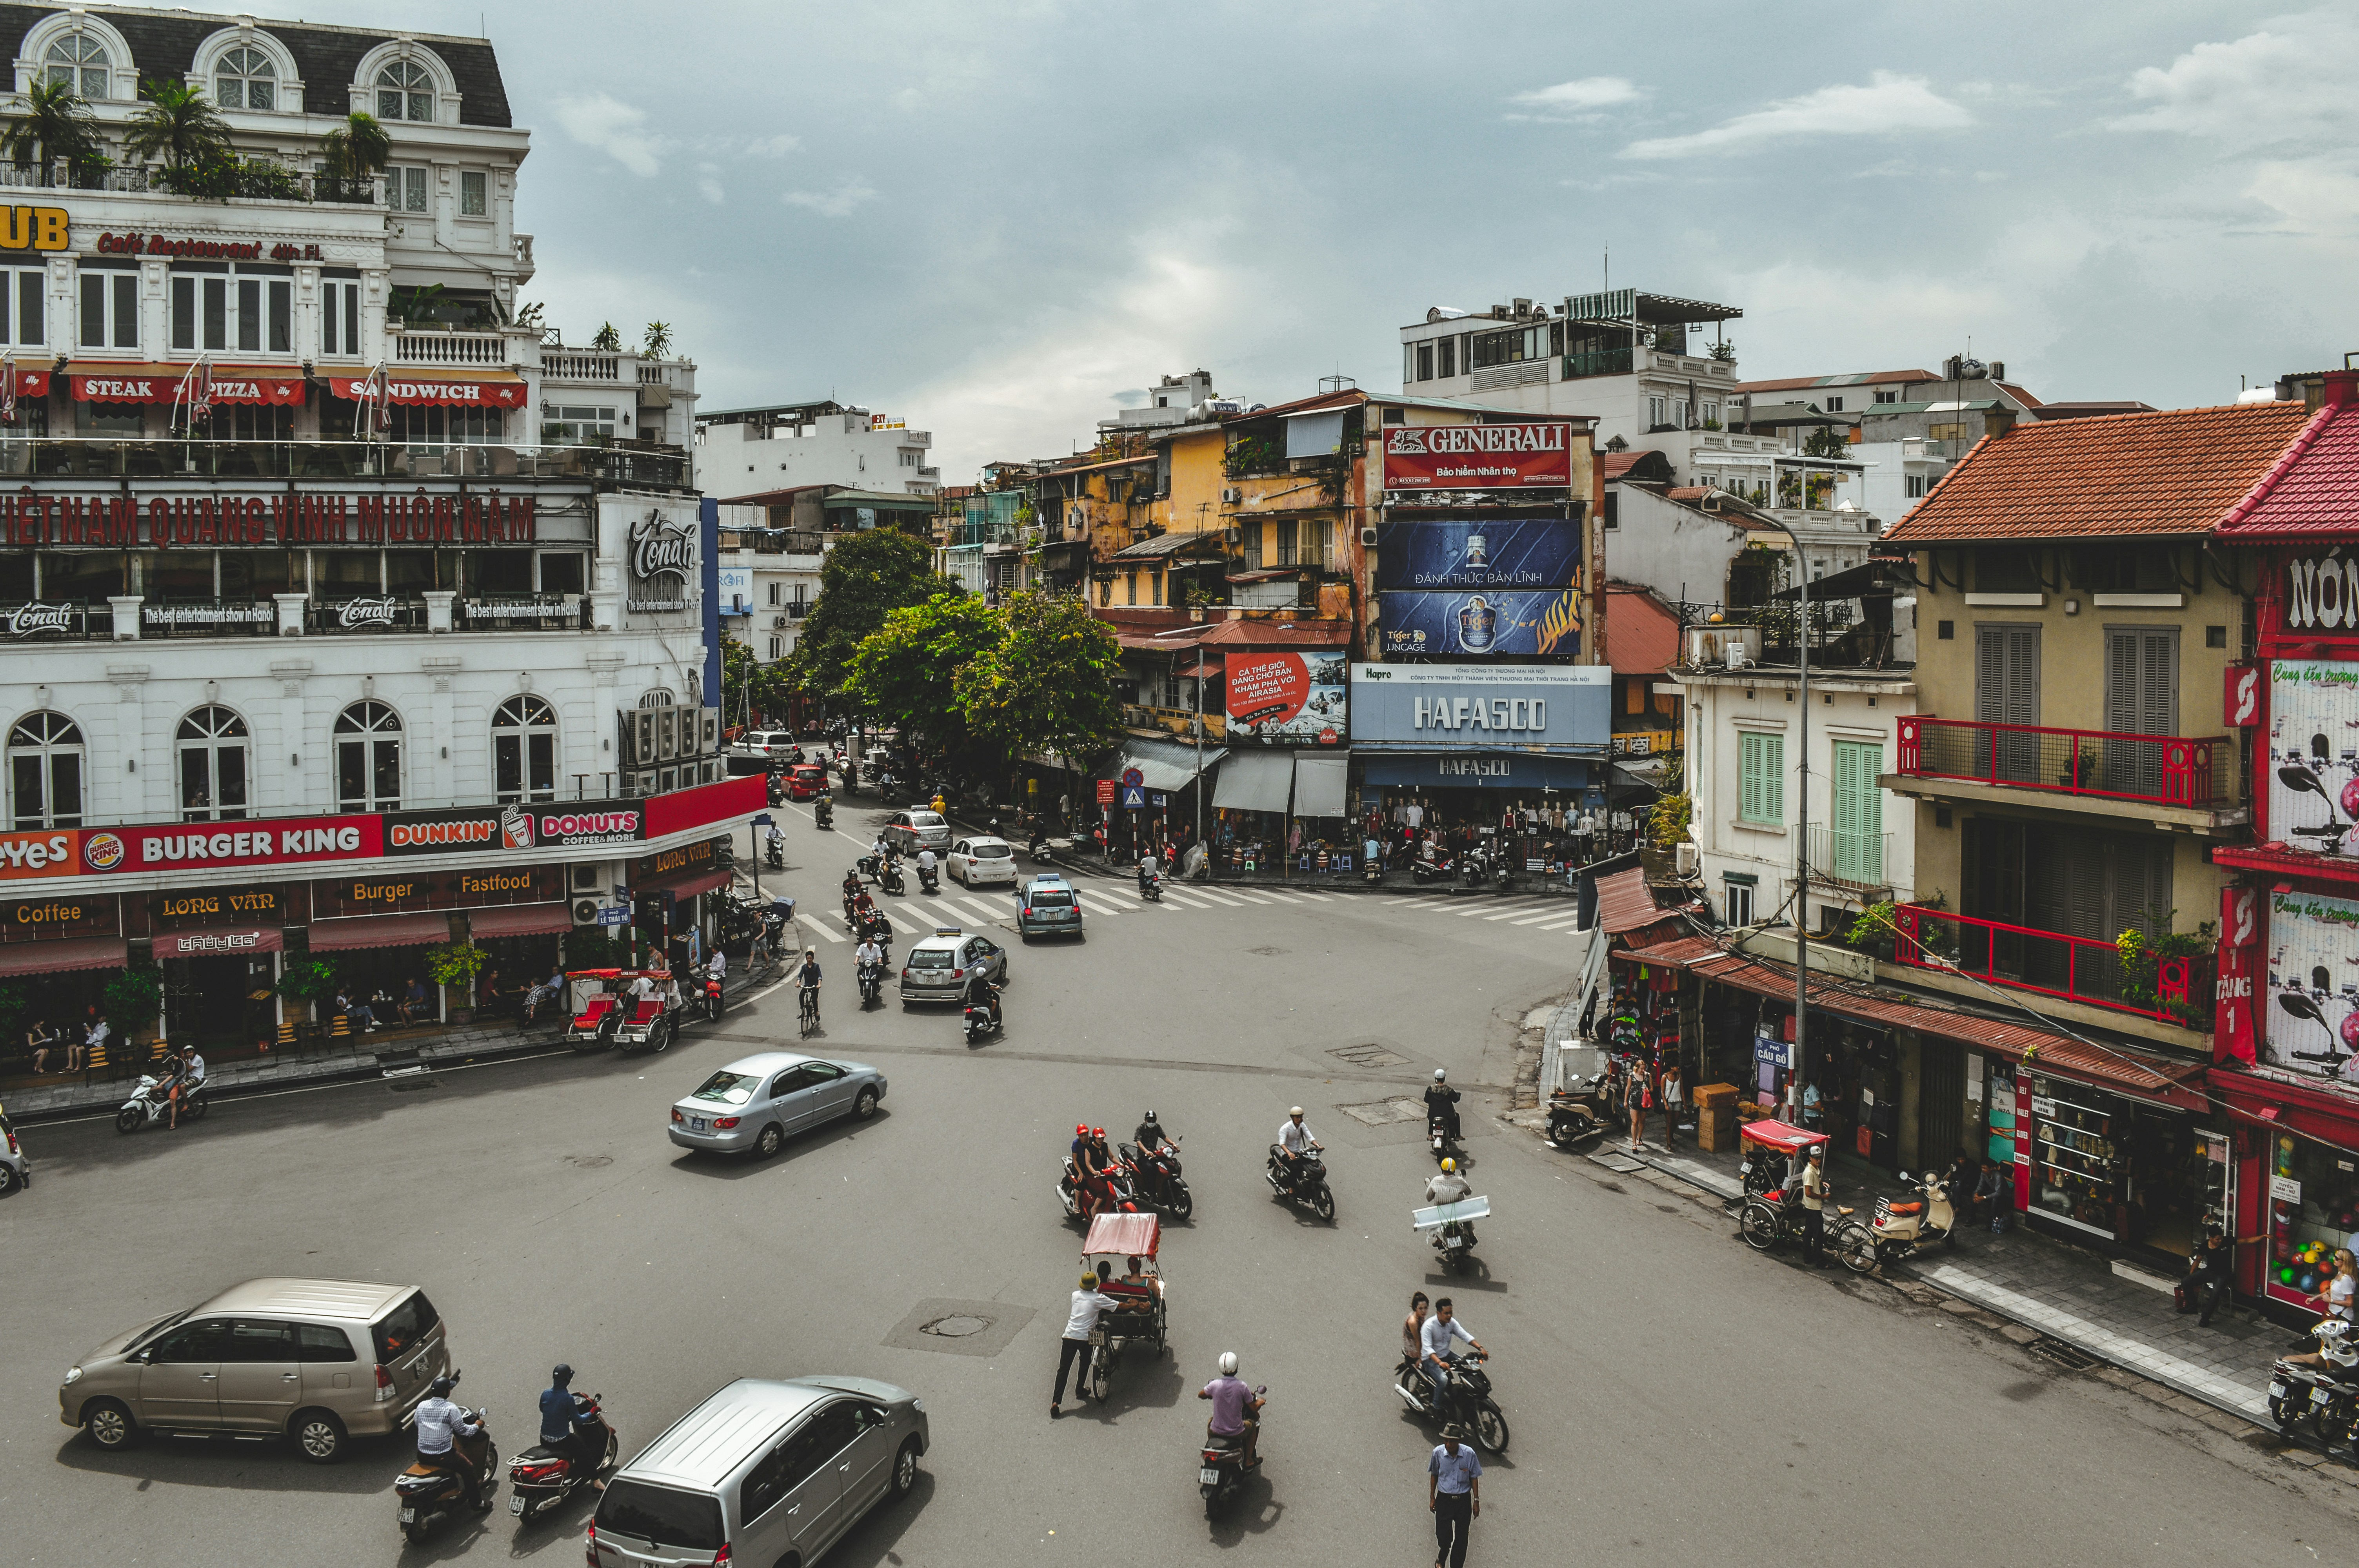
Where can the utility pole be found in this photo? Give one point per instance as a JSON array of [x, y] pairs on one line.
[[1802, 824]]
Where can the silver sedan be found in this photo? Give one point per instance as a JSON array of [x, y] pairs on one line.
[[753, 1105]]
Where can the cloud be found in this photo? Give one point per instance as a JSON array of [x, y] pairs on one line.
[[1888, 102], [2314, 198], [1576, 102], [708, 183], [2267, 86], [850, 193], [775, 146], [615, 128]]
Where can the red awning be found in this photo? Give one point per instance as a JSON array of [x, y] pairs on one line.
[[164, 384], [32, 384], [477, 389], [685, 885], [380, 931], [55, 957], [518, 919], [219, 941]]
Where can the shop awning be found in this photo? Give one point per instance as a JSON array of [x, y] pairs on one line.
[[519, 919], [344, 935], [165, 384], [1319, 784], [1624, 902], [686, 884], [1255, 780], [468, 389], [56, 957], [1163, 765], [219, 941]]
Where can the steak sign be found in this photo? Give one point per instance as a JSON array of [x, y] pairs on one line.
[[1523, 456]]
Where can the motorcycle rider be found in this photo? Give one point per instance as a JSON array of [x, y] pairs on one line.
[[777, 843], [1147, 871], [867, 954], [1448, 1187], [439, 1424], [1433, 1343], [716, 974], [852, 892], [566, 1426], [191, 1078], [981, 992], [1294, 1140], [1234, 1405], [926, 864], [1441, 1101], [1150, 1139]]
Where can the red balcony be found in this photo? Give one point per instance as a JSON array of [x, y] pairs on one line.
[[2160, 770], [2019, 958]]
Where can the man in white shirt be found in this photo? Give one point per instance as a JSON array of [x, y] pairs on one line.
[[439, 1424], [1433, 1342], [1294, 1138], [925, 863], [192, 1079], [1088, 1302], [1814, 1204]]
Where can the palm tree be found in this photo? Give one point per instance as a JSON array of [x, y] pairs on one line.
[[607, 341], [180, 124], [358, 148], [658, 340], [53, 123]]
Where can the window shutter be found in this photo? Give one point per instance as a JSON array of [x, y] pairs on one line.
[[2122, 682]]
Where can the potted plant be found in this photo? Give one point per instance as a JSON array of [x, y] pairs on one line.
[[456, 965]]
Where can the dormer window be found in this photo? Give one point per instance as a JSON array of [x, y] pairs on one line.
[[79, 62], [245, 80], [405, 90]]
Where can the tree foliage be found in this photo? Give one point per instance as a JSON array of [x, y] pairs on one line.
[[357, 148], [1046, 684], [180, 123], [749, 686], [907, 672], [867, 576], [53, 123]]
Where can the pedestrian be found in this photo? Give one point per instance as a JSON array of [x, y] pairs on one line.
[[93, 1041], [1453, 1495], [1814, 1204], [1674, 1101], [2340, 1295], [1412, 1328], [1638, 1100], [1088, 1302], [1997, 1190], [2212, 1272]]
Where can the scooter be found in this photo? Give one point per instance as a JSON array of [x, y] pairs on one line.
[[1302, 1180], [1444, 1142], [978, 1023], [1068, 1192], [1374, 872], [427, 1494], [1465, 1399], [872, 984], [2306, 1391], [1452, 1226], [541, 1480], [1157, 1180], [823, 813], [892, 883], [713, 999], [929, 879], [148, 1105], [1902, 1230], [1223, 1469], [774, 853], [1439, 869], [1150, 887]]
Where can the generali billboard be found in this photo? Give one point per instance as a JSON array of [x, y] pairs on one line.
[[1528, 455]]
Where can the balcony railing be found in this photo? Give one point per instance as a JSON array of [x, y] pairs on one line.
[[1848, 857], [66, 620], [2161, 770], [570, 366], [71, 457], [456, 349], [2021, 958]]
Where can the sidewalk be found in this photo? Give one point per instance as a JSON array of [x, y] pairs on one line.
[[2113, 1310]]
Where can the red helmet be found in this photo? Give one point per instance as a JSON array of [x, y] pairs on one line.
[[1082, 1130], [1097, 1132]]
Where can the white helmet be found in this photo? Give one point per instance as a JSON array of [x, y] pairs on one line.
[[1440, 1074], [1228, 1363], [1296, 1112]]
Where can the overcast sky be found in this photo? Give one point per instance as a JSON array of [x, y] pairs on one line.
[[1004, 221]]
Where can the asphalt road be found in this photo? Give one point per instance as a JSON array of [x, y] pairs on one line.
[[1673, 1397]]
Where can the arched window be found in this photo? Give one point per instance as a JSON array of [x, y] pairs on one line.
[[405, 90], [45, 769], [368, 758], [78, 60], [523, 750], [656, 696], [212, 744], [245, 80]]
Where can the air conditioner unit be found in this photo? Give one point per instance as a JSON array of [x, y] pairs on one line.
[[667, 733], [1368, 538], [708, 732], [585, 911], [780, 622], [1231, 497], [1684, 857], [1234, 536], [641, 723]]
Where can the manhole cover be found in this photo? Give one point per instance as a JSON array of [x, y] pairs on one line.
[[957, 1326], [1370, 1056], [1379, 1113], [953, 1327], [2056, 1352], [589, 1161]]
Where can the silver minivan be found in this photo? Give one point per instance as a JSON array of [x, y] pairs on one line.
[[766, 1471], [319, 1360]]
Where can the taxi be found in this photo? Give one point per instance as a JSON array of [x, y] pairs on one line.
[[938, 967], [1046, 906]]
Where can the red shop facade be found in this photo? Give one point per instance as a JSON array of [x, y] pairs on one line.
[[2285, 1045]]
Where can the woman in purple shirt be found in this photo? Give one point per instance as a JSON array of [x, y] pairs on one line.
[[1233, 1407]]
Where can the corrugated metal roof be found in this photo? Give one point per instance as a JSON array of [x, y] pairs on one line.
[[1626, 903]]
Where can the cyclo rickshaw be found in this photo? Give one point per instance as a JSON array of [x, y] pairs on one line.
[[604, 1012], [1140, 1318], [1774, 1152]]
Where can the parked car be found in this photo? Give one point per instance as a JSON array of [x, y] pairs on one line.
[[764, 1471], [15, 1170], [776, 745], [937, 968], [1047, 905], [319, 1360], [979, 863], [909, 832], [753, 1105]]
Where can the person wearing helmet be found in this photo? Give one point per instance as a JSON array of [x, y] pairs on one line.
[[1089, 1168], [1294, 1138], [566, 1425], [1450, 1185], [1234, 1405], [441, 1425], [1150, 1140], [1441, 1103]]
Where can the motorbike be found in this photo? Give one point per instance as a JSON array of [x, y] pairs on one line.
[[1902, 1230], [1223, 1469], [2325, 1395], [1068, 1191], [870, 868], [1302, 1180], [1475, 871], [823, 812], [1374, 872], [774, 854], [541, 1480], [1150, 888], [872, 984], [712, 997], [427, 1494], [1156, 1179], [1465, 1399], [1501, 871], [892, 881], [1576, 1111], [978, 1023], [1442, 1138], [929, 879], [149, 1105], [1440, 868], [880, 929]]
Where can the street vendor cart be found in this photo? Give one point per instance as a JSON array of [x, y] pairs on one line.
[[1140, 1319]]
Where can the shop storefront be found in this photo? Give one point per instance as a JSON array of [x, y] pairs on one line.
[[220, 951], [1279, 805], [57, 955], [673, 909]]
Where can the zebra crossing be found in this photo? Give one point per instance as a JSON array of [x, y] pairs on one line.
[[1555, 912], [924, 913]]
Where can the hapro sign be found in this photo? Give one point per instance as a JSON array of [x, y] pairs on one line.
[[1540, 708]]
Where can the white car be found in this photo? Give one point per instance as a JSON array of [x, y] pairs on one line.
[[978, 863]]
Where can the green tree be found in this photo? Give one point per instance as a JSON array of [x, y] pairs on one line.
[[867, 576], [906, 673], [1827, 441], [357, 148], [607, 340], [53, 123], [657, 343], [180, 124], [131, 999], [1046, 685], [749, 686]]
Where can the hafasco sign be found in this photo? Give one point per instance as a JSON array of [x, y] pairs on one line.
[[1478, 457], [32, 228], [1483, 706]]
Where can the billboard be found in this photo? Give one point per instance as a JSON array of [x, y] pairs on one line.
[[2314, 775], [1525, 456], [2311, 1024], [1286, 699], [1445, 624], [1524, 708], [1535, 551]]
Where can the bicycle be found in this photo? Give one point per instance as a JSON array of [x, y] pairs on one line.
[[811, 1009]]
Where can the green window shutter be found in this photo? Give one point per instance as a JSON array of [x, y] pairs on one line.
[[1762, 767], [1858, 812]]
